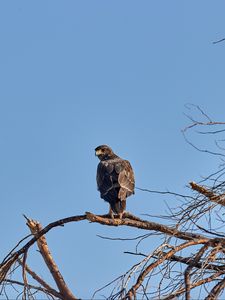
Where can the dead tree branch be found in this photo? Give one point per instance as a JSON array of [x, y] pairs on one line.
[[35, 227], [219, 199], [215, 292], [37, 278], [142, 224], [191, 239], [132, 292]]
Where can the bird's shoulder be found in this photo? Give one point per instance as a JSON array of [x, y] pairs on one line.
[[116, 164]]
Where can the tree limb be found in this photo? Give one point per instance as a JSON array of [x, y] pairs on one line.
[[220, 199], [215, 292], [143, 224], [132, 292], [41, 281], [35, 228]]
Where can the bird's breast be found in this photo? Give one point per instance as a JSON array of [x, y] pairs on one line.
[[109, 167]]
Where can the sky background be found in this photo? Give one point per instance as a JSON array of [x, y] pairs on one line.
[[77, 74]]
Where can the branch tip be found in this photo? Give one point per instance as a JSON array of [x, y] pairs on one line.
[[26, 217]]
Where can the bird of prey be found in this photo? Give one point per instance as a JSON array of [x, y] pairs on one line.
[[115, 180]]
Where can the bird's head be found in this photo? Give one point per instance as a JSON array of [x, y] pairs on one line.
[[104, 152]]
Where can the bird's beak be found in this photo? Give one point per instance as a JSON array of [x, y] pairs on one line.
[[98, 152]]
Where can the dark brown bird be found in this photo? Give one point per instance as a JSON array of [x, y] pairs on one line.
[[115, 179]]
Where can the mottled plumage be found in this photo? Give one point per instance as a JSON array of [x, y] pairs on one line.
[[115, 179]]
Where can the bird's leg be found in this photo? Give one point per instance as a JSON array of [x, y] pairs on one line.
[[111, 213], [121, 215], [123, 207]]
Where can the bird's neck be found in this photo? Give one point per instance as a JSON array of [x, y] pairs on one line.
[[108, 157]]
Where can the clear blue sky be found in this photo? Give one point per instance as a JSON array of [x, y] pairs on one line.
[[76, 74]]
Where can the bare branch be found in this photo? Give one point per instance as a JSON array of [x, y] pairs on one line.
[[219, 41], [215, 292], [220, 199], [12, 258], [143, 225], [189, 268], [149, 268], [35, 228], [181, 290], [30, 286], [41, 281]]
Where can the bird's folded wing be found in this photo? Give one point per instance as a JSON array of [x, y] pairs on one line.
[[126, 178]]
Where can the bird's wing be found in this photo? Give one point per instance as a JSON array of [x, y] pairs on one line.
[[125, 179]]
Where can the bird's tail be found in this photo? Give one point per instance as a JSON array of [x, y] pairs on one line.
[[118, 206]]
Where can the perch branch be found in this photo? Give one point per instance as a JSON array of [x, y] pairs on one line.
[[129, 220], [142, 224]]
